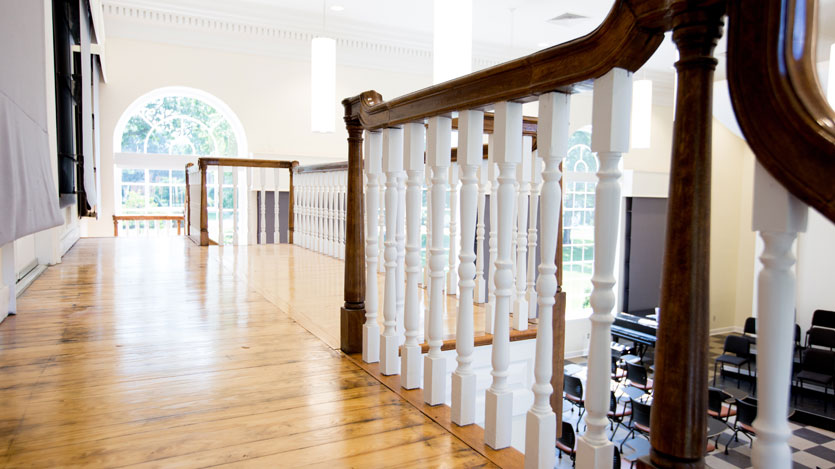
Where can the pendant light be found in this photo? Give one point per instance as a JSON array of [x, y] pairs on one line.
[[323, 81]]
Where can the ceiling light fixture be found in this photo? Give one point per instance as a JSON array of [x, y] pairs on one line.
[[641, 113], [322, 81], [452, 48]]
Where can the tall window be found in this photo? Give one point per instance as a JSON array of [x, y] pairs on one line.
[[578, 222], [157, 136]]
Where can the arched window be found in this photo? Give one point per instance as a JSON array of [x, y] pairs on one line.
[[157, 135], [580, 168]]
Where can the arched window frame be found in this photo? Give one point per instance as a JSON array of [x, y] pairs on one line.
[[578, 219]]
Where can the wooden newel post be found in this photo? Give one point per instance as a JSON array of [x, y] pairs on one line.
[[353, 311], [679, 409], [291, 205]]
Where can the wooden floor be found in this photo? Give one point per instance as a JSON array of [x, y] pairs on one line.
[[154, 352]]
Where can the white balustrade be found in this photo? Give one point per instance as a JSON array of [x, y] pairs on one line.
[[523, 179], [343, 211], [611, 104], [483, 187], [373, 168], [778, 216], [439, 146], [415, 145], [536, 183], [392, 166], [552, 141], [235, 217], [507, 134], [382, 222], [276, 217], [400, 238], [470, 129], [262, 173], [427, 254], [219, 200]]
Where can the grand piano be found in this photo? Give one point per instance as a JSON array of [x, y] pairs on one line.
[[638, 328]]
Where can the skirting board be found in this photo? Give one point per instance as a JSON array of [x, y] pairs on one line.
[[4, 302], [27, 280], [725, 330]]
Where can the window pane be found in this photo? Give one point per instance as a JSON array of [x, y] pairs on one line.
[[160, 197], [133, 175], [210, 196], [227, 197], [159, 175], [227, 177], [178, 176], [133, 197], [178, 196]]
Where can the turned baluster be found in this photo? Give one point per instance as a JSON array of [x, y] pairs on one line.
[[276, 217], [415, 145], [219, 198], [452, 277], [523, 179], [492, 242], [552, 141], [470, 129], [373, 168], [262, 205], [400, 238], [392, 165], [483, 187], [611, 104], [439, 146], [234, 207], [508, 154], [536, 183]]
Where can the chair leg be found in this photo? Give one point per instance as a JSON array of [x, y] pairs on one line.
[[714, 372]]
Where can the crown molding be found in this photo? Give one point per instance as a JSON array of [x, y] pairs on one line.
[[357, 44]]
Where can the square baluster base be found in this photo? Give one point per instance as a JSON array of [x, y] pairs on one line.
[[410, 366], [370, 343], [434, 380], [389, 361], [463, 399], [498, 418]]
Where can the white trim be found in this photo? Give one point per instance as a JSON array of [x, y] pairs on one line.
[[152, 161], [725, 330], [4, 302], [29, 278]]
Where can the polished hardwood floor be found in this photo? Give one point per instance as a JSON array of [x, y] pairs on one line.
[[155, 352]]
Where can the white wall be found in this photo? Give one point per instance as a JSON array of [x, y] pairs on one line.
[[270, 95], [815, 261]]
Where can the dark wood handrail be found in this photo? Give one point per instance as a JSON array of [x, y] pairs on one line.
[[778, 101], [243, 162], [322, 168]]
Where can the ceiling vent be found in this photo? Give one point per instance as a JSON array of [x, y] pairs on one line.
[[567, 18]]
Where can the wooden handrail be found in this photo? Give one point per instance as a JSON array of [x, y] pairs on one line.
[[117, 218], [778, 101], [243, 162], [322, 168]]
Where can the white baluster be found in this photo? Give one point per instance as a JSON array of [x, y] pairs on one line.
[[523, 178], [401, 254], [373, 168], [427, 255], [262, 177], [492, 242], [483, 183], [452, 275], [778, 216], [331, 180], [470, 129], [305, 211], [343, 211], [321, 207], [276, 215], [552, 140], [610, 138], [439, 145], [235, 217], [498, 417], [392, 165], [219, 197], [382, 221], [536, 182], [415, 145]]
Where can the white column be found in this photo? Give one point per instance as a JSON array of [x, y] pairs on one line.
[[552, 140], [400, 237], [219, 197], [523, 178], [492, 242], [276, 215], [536, 182], [778, 216], [381, 222], [610, 138], [373, 167], [507, 131], [262, 176], [470, 129], [452, 277], [415, 145], [235, 221], [483, 184], [439, 145], [392, 165]]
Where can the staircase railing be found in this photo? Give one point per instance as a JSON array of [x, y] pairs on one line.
[[319, 207], [199, 204]]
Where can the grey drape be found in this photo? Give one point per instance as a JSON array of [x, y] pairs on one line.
[[28, 196]]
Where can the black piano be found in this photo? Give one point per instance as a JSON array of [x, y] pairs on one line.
[[641, 330]]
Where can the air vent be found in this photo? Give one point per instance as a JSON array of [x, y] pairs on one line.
[[566, 18]]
